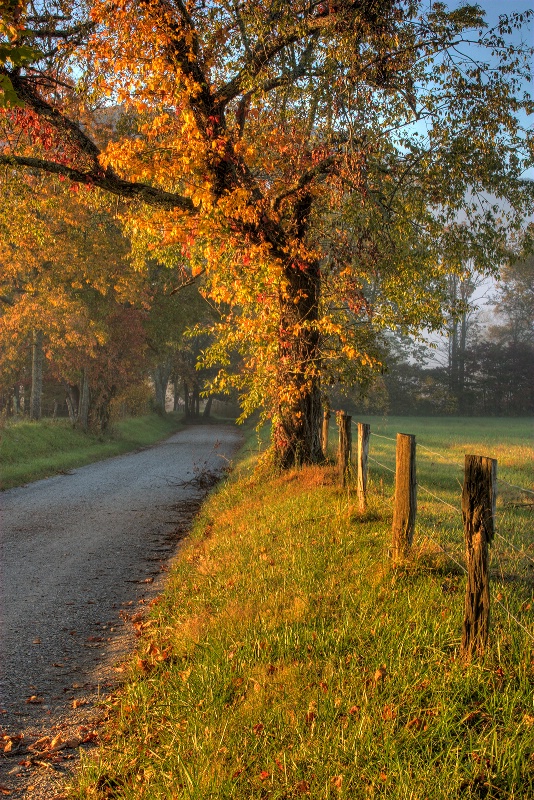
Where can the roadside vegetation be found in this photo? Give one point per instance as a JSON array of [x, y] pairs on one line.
[[33, 450], [289, 658]]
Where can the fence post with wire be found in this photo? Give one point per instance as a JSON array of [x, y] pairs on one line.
[[405, 496], [324, 431], [479, 492], [478, 512], [345, 445], [364, 432]]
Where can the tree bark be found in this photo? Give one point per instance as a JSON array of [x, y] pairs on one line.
[[207, 408], [196, 402], [83, 408], [73, 401], [175, 405], [161, 377], [297, 428], [187, 401], [37, 376], [16, 400]]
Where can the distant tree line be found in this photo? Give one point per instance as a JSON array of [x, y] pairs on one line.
[[488, 364]]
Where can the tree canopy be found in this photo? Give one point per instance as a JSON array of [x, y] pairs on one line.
[[323, 165]]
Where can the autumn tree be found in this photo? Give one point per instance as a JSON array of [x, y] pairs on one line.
[[69, 295], [253, 135]]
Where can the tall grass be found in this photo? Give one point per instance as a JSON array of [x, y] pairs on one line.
[[33, 450], [288, 658]]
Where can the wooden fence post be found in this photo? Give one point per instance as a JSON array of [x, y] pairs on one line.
[[345, 445], [364, 431], [326, 423], [479, 495], [405, 496]]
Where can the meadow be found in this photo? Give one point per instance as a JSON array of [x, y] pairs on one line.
[[289, 658]]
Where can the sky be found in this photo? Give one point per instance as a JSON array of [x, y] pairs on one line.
[[493, 9]]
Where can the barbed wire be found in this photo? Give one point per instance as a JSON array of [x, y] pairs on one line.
[[379, 435], [435, 496], [499, 603], [381, 465], [440, 455], [440, 546], [521, 489], [513, 546], [506, 607]]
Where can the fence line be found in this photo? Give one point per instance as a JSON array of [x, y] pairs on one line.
[[474, 637], [455, 463]]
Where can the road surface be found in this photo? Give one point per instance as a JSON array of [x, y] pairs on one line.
[[80, 555]]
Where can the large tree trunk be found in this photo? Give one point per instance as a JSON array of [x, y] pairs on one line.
[[297, 425], [207, 408], [196, 401], [37, 375], [83, 409], [176, 387], [161, 377], [15, 400], [187, 401]]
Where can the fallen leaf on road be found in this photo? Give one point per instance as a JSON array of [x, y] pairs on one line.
[[40, 744], [58, 743], [35, 699]]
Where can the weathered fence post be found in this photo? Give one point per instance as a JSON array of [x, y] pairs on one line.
[[345, 444], [324, 437], [405, 496], [479, 495], [364, 431]]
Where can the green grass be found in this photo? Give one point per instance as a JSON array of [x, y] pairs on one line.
[[33, 450], [288, 658]]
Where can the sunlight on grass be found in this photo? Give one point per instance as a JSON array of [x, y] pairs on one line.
[[288, 659]]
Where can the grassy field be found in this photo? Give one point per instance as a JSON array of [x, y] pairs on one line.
[[288, 658], [33, 450]]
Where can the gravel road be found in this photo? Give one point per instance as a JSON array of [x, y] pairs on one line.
[[81, 555]]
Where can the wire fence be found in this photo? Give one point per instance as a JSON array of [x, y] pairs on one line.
[[512, 564]]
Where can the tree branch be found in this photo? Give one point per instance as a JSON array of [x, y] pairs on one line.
[[323, 168], [108, 181]]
